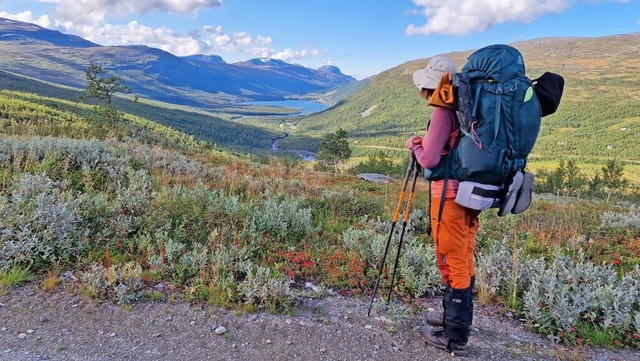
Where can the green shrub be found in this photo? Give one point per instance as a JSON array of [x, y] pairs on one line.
[[118, 283], [195, 211], [264, 288], [282, 217], [40, 224]]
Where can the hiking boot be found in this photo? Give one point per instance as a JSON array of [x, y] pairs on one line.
[[435, 318], [437, 338]]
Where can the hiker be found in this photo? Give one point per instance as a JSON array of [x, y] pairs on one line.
[[454, 226]]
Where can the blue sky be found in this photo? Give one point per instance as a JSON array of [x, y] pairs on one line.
[[361, 37]]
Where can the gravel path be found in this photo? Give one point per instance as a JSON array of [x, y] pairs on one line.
[[60, 326]]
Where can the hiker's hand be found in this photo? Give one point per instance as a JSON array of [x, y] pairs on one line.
[[416, 139]]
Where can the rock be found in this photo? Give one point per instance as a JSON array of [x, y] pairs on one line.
[[112, 334], [22, 335], [375, 178], [384, 319], [313, 287], [29, 331], [44, 318], [220, 330], [69, 276]]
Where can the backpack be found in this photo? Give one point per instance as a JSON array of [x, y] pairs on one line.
[[499, 116]]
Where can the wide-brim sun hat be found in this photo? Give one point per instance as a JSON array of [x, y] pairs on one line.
[[429, 77]]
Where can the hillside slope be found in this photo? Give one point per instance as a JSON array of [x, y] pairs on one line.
[[599, 116]]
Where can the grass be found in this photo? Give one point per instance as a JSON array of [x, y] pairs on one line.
[[15, 276], [51, 281], [587, 334]]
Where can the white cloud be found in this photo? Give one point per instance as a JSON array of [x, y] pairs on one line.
[[207, 40], [289, 55], [27, 17], [467, 16], [134, 33], [92, 11], [86, 18]]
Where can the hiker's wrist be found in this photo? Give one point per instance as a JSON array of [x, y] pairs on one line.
[[416, 149]]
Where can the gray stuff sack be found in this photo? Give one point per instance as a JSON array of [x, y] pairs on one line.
[[479, 196]]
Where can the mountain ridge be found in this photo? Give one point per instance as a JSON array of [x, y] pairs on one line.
[[205, 80]]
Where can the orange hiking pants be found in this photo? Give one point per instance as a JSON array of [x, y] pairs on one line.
[[454, 237]]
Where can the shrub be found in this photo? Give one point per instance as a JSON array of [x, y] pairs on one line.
[[263, 288], [119, 283], [103, 166], [40, 224], [350, 205], [368, 240], [282, 217], [569, 291], [630, 219], [196, 211], [494, 270], [379, 162], [181, 262], [168, 163], [416, 273], [133, 198]]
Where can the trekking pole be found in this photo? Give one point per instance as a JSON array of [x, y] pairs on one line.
[[396, 214], [407, 210]]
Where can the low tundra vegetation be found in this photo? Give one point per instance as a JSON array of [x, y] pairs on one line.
[[120, 221]]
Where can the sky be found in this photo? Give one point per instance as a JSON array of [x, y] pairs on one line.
[[361, 37]]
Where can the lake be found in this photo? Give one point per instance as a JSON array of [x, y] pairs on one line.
[[304, 106]]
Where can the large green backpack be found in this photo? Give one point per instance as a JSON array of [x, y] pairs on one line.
[[499, 117]]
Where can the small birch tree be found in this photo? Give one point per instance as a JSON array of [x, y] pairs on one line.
[[334, 149]]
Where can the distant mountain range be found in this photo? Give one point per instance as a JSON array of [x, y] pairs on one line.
[[47, 55]]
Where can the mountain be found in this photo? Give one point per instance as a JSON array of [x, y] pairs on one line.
[[25, 33], [202, 80]]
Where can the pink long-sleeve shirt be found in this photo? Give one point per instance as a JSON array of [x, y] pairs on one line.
[[440, 132]]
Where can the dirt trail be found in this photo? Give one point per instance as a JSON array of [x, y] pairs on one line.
[[37, 326]]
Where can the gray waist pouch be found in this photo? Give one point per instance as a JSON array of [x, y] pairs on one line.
[[479, 196]]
